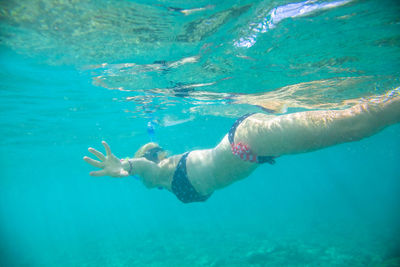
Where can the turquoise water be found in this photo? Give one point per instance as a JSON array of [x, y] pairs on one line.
[[74, 73]]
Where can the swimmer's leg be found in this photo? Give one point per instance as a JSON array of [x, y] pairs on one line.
[[311, 130]]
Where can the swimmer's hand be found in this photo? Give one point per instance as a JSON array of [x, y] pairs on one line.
[[110, 164]]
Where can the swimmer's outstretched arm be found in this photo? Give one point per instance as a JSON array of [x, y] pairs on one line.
[[112, 166]]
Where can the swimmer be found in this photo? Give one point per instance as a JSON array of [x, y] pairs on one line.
[[253, 139]]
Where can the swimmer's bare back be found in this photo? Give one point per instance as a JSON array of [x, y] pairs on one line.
[[258, 135]]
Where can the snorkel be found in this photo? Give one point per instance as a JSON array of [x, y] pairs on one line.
[[151, 131], [155, 154]]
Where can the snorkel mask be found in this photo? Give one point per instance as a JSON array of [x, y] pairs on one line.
[[155, 154]]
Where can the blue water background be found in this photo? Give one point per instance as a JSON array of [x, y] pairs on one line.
[[335, 207]]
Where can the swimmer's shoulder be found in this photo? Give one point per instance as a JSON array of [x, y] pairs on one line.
[[170, 162]]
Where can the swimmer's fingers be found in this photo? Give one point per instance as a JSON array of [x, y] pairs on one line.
[[107, 147], [98, 173], [98, 154], [93, 162]]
